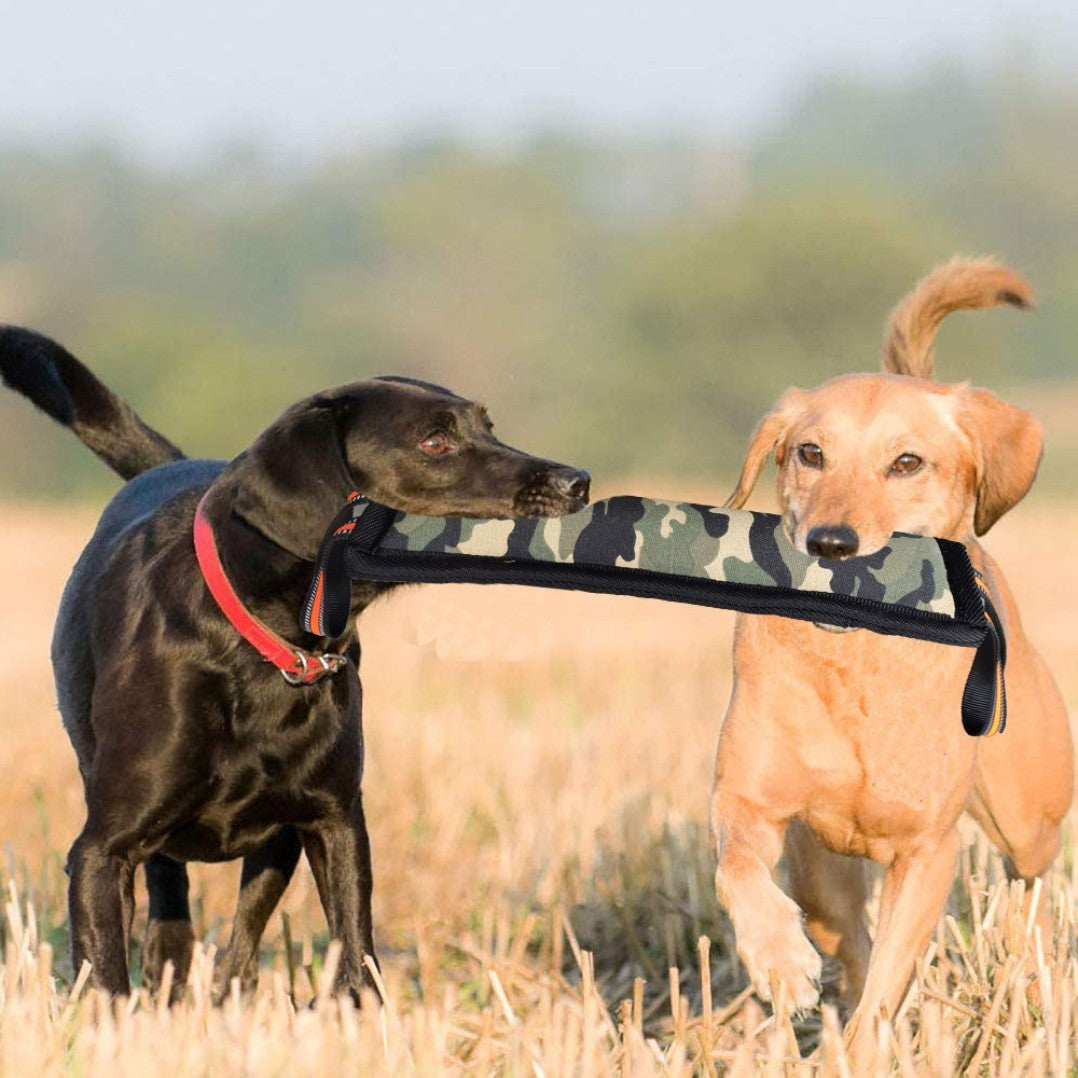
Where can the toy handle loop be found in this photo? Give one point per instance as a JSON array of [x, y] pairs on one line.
[[984, 700]]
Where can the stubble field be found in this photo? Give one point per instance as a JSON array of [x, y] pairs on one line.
[[537, 779]]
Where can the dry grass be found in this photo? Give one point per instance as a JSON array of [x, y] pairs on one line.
[[537, 781]]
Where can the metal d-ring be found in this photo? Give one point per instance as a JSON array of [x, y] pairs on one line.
[[330, 662], [291, 676]]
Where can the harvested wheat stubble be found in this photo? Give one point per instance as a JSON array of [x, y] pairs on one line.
[[998, 1001], [537, 807]]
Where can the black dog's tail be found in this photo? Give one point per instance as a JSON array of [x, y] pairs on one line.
[[62, 387]]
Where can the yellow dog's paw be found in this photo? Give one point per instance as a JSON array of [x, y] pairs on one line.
[[785, 954]]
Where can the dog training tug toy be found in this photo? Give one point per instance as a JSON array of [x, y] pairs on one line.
[[916, 587]]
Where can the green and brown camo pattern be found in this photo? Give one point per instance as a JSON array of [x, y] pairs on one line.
[[685, 539]]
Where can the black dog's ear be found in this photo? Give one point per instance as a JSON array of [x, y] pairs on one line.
[[293, 478]]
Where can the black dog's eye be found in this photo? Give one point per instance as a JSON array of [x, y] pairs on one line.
[[906, 464], [810, 454], [436, 445]]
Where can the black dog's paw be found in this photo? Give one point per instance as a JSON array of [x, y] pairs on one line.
[[167, 941]]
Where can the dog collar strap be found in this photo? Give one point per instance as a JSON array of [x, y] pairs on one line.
[[298, 667], [915, 586]]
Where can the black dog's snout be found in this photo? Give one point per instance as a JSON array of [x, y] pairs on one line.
[[571, 483], [832, 541]]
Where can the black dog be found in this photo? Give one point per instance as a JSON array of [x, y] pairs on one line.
[[190, 747]]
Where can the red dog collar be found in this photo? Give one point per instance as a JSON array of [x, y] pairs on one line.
[[298, 667]]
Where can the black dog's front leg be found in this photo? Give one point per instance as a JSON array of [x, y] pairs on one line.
[[97, 916], [339, 853], [169, 936], [266, 873]]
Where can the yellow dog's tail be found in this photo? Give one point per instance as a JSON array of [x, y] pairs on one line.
[[962, 283]]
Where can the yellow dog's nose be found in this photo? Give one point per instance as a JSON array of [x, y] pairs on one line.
[[832, 541]]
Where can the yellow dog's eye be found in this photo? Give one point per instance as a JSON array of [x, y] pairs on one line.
[[810, 454], [906, 464]]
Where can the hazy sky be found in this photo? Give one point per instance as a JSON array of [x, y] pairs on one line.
[[171, 78]]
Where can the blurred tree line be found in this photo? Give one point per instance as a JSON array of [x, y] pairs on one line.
[[630, 306]]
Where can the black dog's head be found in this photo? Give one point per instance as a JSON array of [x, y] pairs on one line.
[[430, 451], [412, 445]]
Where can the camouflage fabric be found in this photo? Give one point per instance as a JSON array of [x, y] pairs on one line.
[[685, 539], [917, 587]]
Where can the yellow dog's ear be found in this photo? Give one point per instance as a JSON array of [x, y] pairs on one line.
[[769, 436], [1007, 444]]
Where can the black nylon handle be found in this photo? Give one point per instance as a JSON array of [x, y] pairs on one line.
[[984, 699], [360, 525]]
